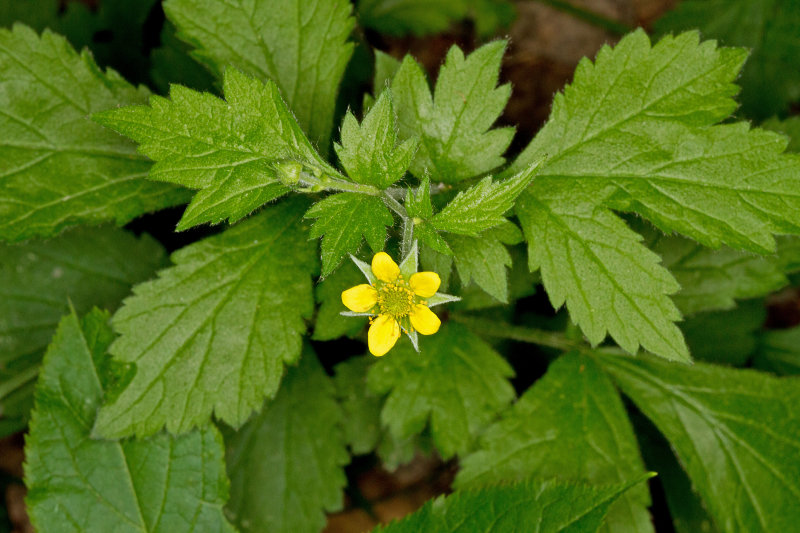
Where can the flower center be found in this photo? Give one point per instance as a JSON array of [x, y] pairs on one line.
[[395, 300]]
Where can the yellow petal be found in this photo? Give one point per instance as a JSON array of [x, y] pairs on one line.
[[360, 298], [425, 284], [382, 335], [384, 267], [424, 320]]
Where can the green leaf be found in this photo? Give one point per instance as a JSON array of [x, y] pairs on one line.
[[361, 408], [737, 433], [420, 17], [714, 279], [457, 381], [368, 151], [75, 483], [635, 132], [298, 44], [58, 168], [779, 351], [453, 125], [569, 424], [231, 150], [771, 77], [484, 261], [329, 323], [286, 464], [341, 220], [482, 206], [726, 337], [386, 67], [533, 505], [213, 332], [39, 280], [171, 63]]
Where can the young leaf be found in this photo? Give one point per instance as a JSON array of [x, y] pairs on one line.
[[771, 77], [229, 149], [736, 432], [76, 483], [779, 351], [715, 279], [547, 506], [634, 132], [329, 323], [341, 220], [298, 44], [457, 381], [213, 332], [39, 280], [570, 424], [482, 207], [368, 152], [361, 408], [453, 126], [286, 464], [58, 168]]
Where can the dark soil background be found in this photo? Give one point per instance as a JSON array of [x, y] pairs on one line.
[[545, 45]]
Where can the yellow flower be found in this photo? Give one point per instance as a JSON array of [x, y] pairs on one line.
[[396, 299]]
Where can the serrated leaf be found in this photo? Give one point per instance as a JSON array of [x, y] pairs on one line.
[[533, 505], [287, 463], [369, 151], [58, 168], [298, 44], [456, 381], [228, 149], [736, 432], [454, 125], [482, 206], [39, 280], [570, 424], [342, 219], [483, 260], [779, 351], [329, 323], [213, 332], [726, 337], [771, 77], [386, 67], [714, 279], [635, 132], [75, 483]]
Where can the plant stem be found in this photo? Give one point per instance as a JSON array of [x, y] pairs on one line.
[[504, 330], [326, 182], [608, 24]]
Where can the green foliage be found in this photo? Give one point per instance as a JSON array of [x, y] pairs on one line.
[[76, 483], [369, 151], [789, 127], [213, 332], [570, 424], [298, 44], [361, 408], [341, 220], [40, 280], [542, 506], [726, 337], [735, 431], [779, 351], [635, 132], [229, 149], [771, 78], [483, 260], [329, 324], [459, 384], [453, 125], [57, 168], [286, 464]]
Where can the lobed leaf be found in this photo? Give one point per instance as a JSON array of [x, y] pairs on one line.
[[76, 483], [212, 334]]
